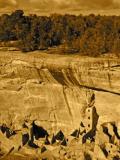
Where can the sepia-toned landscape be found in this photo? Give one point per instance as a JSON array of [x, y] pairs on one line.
[[59, 80]]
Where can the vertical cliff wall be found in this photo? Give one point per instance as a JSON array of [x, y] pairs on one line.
[[53, 89]]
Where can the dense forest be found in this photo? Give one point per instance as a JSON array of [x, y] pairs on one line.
[[89, 35]]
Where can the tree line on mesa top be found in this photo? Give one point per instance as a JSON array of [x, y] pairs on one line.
[[91, 35]]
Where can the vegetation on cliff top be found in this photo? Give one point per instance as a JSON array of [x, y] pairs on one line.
[[90, 35]]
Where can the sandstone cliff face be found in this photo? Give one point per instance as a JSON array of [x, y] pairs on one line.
[[53, 89]]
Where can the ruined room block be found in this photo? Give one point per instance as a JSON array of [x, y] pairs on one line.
[[109, 128], [53, 139], [64, 142], [90, 123], [6, 131], [72, 141], [82, 129], [42, 141], [101, 138], [38, 131], [104, 119], [112, 150], [17, 141], [59, 136], [43, 149], [91, 119], [6, 145], [20, 139], [115, 140], [39, 142], [76, 133], [25, 138], [98, 153], [91, 99], [47, 141]]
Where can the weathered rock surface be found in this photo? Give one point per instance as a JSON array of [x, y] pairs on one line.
[[53, 89], [42, 94]]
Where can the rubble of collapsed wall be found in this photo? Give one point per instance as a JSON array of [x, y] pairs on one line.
[[91, 140]]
